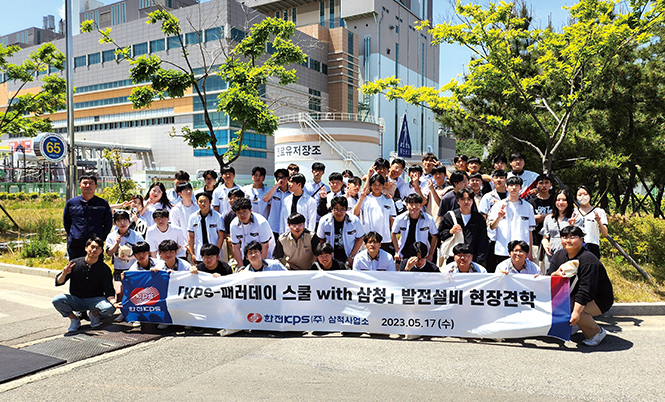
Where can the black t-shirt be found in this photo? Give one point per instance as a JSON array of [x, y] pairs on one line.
[[228, 218], [502, 195], [86, 281], [408, 250], [336, 266], [592, 280], [294, 204], [339, 253], [540, 207], [222, 268]]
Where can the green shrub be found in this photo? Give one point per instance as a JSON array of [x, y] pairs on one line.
[[643, 238], [36, 249]]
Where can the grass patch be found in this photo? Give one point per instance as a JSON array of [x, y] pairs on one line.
[[630, 286], [57, 261]]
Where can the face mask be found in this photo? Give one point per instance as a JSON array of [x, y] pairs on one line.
[[584, 199]]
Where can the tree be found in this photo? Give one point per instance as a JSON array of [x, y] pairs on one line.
[[245, 69], [24, 107], [563, 68], [123, 189]]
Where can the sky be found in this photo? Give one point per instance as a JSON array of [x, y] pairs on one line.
[[18, 15]]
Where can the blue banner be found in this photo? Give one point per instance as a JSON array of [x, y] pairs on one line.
[[144, 296], [404, 143]]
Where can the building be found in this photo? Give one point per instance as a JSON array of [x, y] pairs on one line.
[[347, 43], [33, 36]]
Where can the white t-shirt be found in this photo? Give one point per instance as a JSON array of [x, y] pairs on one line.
[[518, 222], [376, 214], [591, 229], [179, 216], [256, 196], [220, 198], [258, 229], [154, 236]]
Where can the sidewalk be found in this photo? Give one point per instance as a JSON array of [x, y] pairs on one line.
[[617, 310]]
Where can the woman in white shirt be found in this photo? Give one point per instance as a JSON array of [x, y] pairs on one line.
[[594, 221]]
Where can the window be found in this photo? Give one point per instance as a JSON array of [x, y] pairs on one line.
[[278, 15], [293, 16], [211, 103], [157, 45], [262, 90], [94, 58], [350, 99], [140, 48], [79, 61], [315, 65], [193, 38], [112, 15], [215, 83], [324, 68], [322, 13], [237, 34], [314, 100], [350, 42], [332, 13], [108, 55], [214, 34], [286, 15], [123, 12], [173, 42]]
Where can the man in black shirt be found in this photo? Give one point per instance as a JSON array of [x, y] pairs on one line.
[[211, 263], [543, 204], [90, 287], [591, 291], [324, 259]]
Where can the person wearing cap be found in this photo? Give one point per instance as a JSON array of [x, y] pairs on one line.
[[419, 261], [591, 293], [518, 263], [463, 262]]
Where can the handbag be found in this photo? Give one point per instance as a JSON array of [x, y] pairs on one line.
[[446, 248]]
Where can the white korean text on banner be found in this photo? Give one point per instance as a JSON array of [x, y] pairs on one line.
[[460, 305]]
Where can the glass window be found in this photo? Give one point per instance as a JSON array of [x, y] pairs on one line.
[[108, 55], [237, 34], [157, 45], [173, 42], [79, 61], [322, 13], [278, 15], [332, 13], [193, 38], [324, 68], [293, 16], [214, 34], [140, 48], [94, 58], [350, 42]]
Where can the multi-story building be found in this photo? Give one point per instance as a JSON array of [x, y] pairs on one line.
[[347, 43], [33, 36]]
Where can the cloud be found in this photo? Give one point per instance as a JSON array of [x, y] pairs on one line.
[[61, 11]]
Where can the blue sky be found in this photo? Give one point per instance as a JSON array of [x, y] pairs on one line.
[[19, 15]]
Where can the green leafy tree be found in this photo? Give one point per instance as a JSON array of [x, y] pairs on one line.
[[23, 109], [246, 68], [123, 188], [539, 76]]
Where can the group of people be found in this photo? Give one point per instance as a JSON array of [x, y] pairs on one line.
[[462, 221]]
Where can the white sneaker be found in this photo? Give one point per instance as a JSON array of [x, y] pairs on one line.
[[411, 337], [596, 339], [74, 325], [95, 321], [227, 332], [119, 318]]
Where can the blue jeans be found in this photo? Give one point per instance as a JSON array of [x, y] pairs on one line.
[[67, 304]]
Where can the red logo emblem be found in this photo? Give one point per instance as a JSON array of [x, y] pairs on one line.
[[144, 296], [254, 318]]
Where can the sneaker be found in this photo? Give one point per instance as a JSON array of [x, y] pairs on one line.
[[119, 318], [95, 321], [411, 337], [227, 332], [596, 339], [135, 324], [74, 325], [162, 326], [574, 329]]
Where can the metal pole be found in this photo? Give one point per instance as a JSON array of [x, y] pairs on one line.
[[69, 76]]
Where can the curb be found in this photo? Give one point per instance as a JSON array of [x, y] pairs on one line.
[[617, 310]]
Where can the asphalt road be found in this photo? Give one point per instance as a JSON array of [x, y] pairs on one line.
[[628, 365]]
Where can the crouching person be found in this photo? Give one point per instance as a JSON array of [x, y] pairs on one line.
[[90, 287], [211, 263]]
